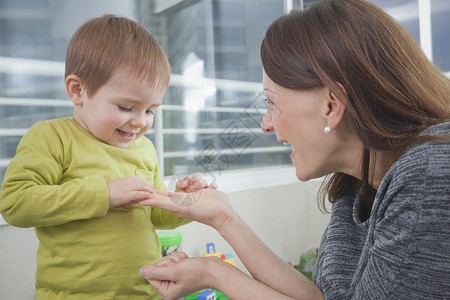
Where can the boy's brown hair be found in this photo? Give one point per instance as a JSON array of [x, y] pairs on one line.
[[103, 45]]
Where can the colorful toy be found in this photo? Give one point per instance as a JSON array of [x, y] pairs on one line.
[[218, 295], [170, 241], [207, 295], [212, 294], [211, 251]]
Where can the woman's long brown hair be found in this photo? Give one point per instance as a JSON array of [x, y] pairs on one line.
[[391, 91]]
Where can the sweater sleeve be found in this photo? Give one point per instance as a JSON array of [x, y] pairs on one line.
[[410, 256], [163, 219], [32, 193]]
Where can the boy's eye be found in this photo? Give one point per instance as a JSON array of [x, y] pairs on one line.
[[150, 111], [124, 108]]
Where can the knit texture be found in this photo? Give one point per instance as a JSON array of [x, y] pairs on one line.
[[403, 250]]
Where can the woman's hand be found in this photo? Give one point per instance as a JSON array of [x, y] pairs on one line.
[[207, 206], [178, 275]]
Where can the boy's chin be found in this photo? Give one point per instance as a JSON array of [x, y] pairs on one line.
[[123, 145]]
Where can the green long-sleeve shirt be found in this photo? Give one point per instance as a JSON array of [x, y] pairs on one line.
[[57, 184]]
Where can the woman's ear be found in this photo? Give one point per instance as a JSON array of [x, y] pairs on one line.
[[335, 110], [74, 88]]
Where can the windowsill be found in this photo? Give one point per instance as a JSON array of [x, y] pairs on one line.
[[238, 180]]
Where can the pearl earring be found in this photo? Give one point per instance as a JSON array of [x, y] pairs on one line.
[[327, 129]]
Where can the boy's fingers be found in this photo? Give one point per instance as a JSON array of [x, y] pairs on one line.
[[158, 199], [197, 176], [138, 196], [174, 196], [182, 184], [148, 202], [161, 197], [198, 181]]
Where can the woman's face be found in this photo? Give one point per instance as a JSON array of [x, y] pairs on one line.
[[298, 118]]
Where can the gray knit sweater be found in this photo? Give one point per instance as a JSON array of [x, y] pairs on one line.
[[403, 250]]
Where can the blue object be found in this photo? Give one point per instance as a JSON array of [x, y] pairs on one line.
[[210, 248], [228, 255], [207, 295]]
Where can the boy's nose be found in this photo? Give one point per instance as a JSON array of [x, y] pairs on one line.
[[266, 123], [138, 121]]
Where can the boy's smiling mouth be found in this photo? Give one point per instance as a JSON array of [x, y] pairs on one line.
[[126, 134]]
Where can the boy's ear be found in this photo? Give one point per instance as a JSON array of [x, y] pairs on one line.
[[75, 89], [335, 110]]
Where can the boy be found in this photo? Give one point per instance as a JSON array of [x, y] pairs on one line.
[[77, 180]]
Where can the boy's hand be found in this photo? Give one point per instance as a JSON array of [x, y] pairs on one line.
[[129, 190], [193, 184]]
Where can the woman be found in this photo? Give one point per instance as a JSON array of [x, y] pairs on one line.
[[356, 98]]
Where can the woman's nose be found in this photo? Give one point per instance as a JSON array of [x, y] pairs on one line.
[[266, 123]]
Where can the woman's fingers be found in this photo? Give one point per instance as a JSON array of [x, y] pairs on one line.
[[174, 257], [178, 255], [182, 184], [212, 186], [157, 273]]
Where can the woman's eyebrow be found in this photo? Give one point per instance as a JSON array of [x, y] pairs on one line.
[[266, 89]]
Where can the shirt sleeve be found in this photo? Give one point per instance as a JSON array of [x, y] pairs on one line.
[[163, 219], [32, 194]]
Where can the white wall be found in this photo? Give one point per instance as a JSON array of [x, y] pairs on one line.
[[17, 263], [285, 216]]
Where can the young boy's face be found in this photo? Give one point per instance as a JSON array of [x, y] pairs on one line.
[[121, 111]]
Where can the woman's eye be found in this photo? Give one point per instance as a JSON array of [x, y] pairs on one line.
[[268, 102], [124, 108]]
